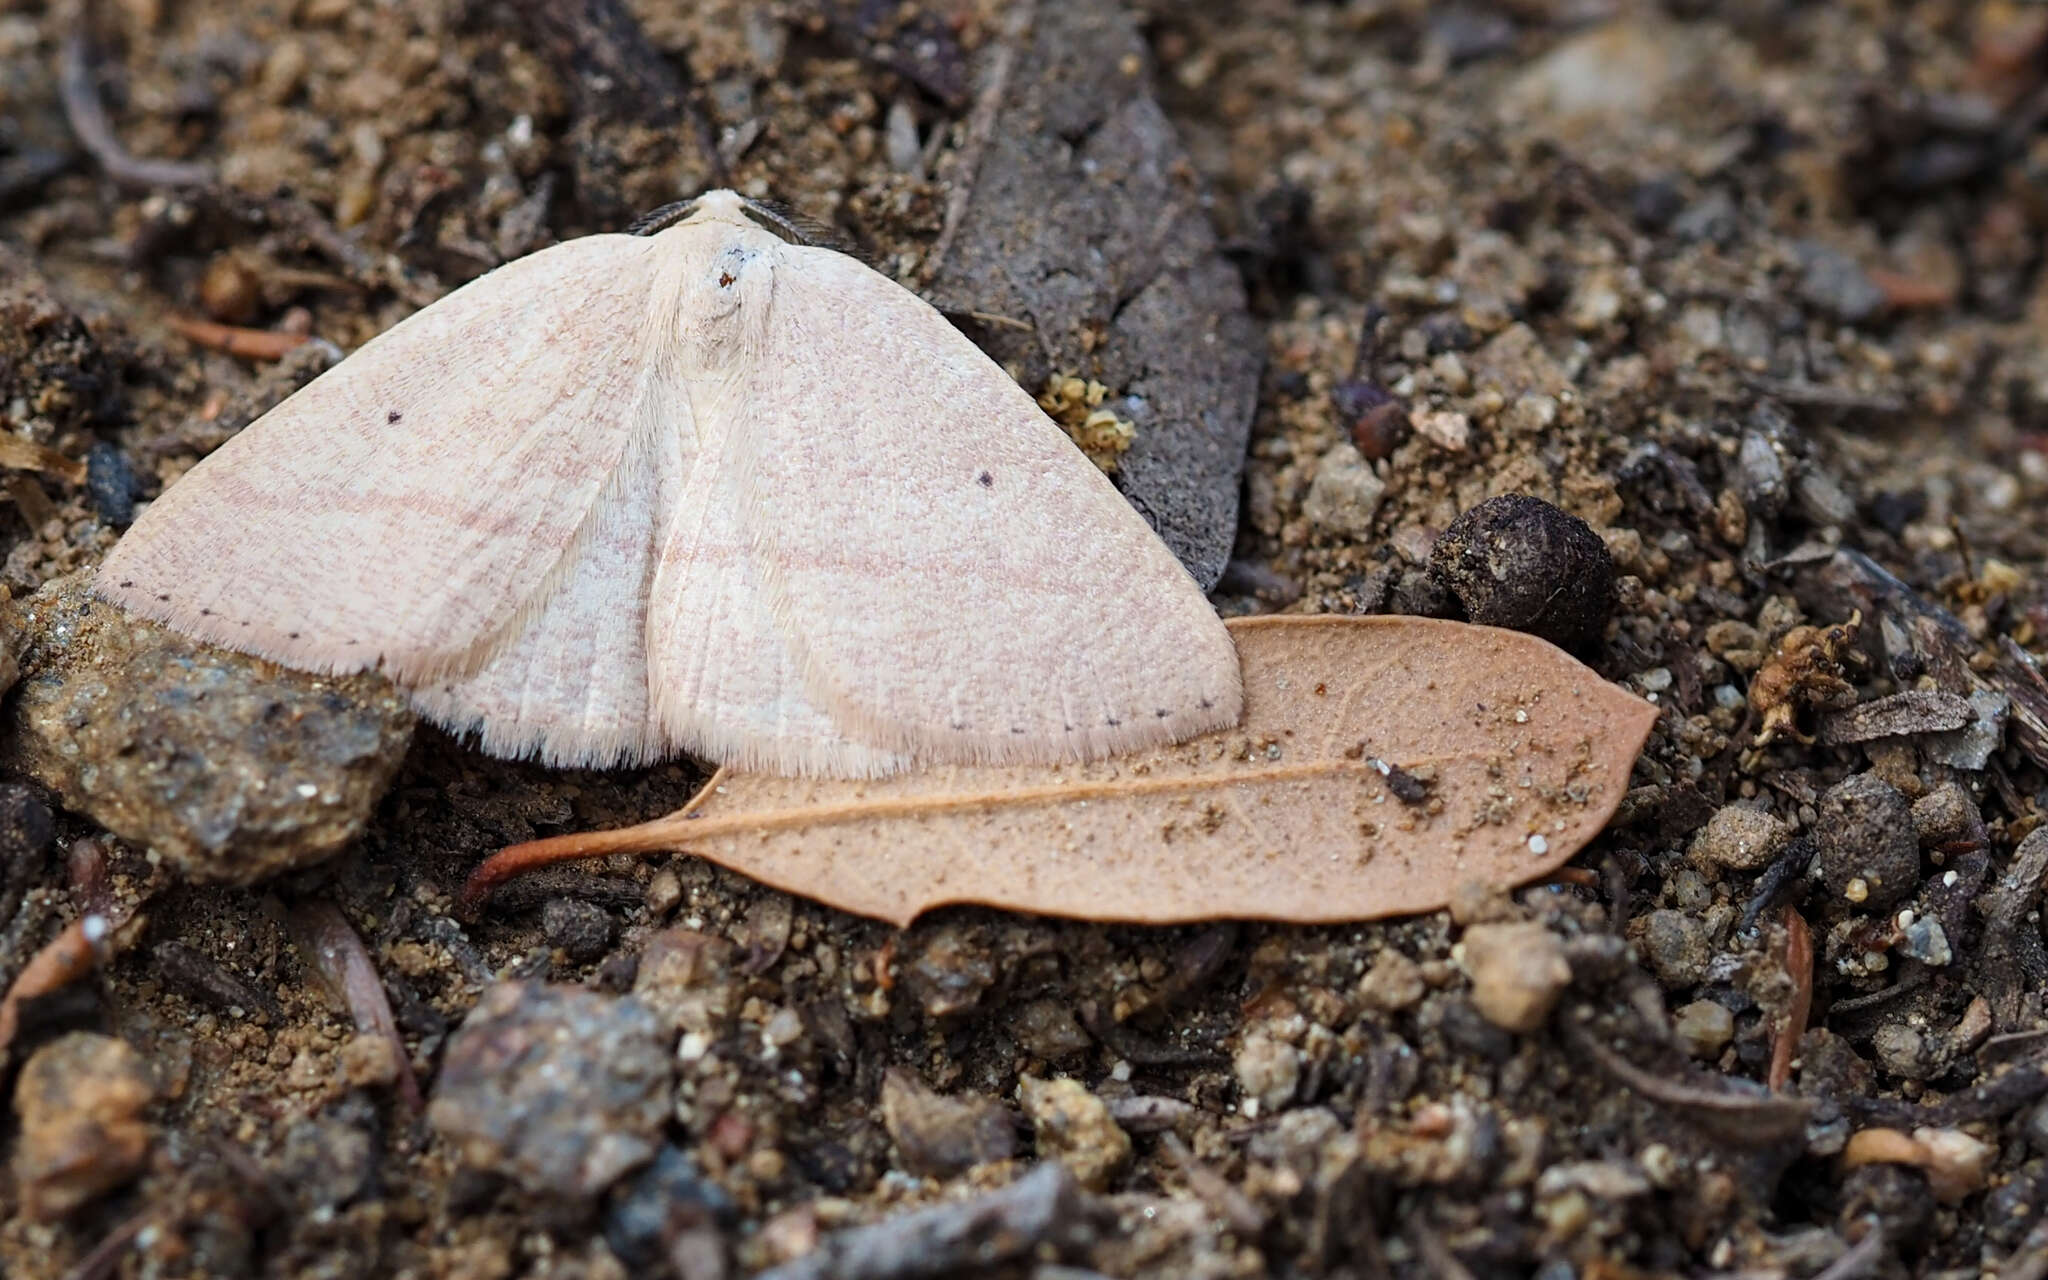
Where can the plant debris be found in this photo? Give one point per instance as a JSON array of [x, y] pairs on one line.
[[1528, 749]]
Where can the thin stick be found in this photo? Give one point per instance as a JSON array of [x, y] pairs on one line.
[[75, 952], [335, 952], [1860, 1257], [981, 127], [106, 1255], [1799, 964], [249, 344], [88, 117]]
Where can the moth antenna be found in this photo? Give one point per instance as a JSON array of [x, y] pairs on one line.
[[800, 228], [663, 218]]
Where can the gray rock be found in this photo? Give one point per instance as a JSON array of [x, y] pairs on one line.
[[940, 1137], [1927, 941], [230, 767], [1078, 225], [562, 1090], [1970, 747], [1344, 493], [1834, 282], [1760, 474], [1677, 948]]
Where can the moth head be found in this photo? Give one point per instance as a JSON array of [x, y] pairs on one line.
[[729, 207]]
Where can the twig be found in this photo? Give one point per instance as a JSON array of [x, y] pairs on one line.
[[1782, 875], [1214, 1189], [1822, 396], [82, 946], [2017, 1087], [106, 1255], [17, 454], [200, 977], [88, 118], [1045, 1206], [1799, 965], [1747, 1119], [981, 128], [249, 344], [335, 952], [1435, 1253], [1859, 1258], [1148, 1113]]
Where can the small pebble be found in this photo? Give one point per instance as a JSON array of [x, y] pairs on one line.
[[1835, 282], [230, 291], [1075, 1128], [1519, 562], [689, 980], [1704, 1028], [1957, 1164], [583, 930], [1268, 1069], [1760, 475], [664, 893], [369, 1061], [1868, 854], [562, 1090], [1739, 838], [667, 1218], [79, 1100], [1518, 972], [1451, 432], [1944, 815], [1047, 1029], [1345, 493], [1392, 984], [941, 1137], [1924, 939], [111, 483], [1676, 947], [329, 1160], [1377, 421], [1906, 1053]]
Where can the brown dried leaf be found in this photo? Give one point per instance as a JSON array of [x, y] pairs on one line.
[[1381, 762]]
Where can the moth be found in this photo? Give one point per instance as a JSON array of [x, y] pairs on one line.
[[698, 488]]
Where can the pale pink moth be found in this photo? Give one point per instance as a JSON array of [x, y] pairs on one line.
[[704, 490]]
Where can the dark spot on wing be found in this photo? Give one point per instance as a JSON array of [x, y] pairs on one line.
[[291, 635], [206, 613], [1112, 722], [1162, 714], [163, 597], [127, 584], [1016, 729], [987, 481], [393, 416], [725, 279], [1206, 704]]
